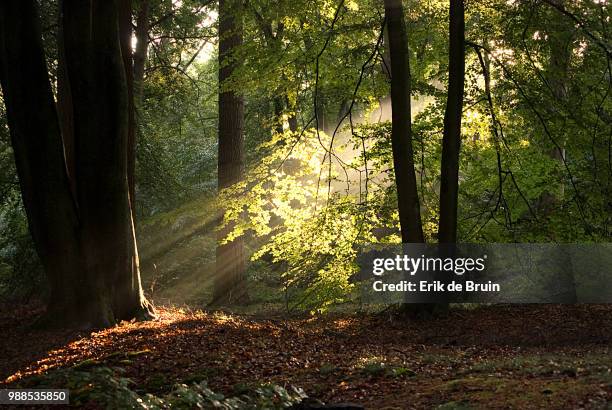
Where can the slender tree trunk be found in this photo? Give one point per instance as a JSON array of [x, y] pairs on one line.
[[230, 280], [140, 54], [125, 34], [451, 142], [278, 114], [292, 120], [560, 39], [135, 62], [280, 101], [401, 132], [86, 242]]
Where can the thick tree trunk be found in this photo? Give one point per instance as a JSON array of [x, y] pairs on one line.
[[401, 132], [39, 156], [86, 244], [230, 280], [451, 141], [100, 98]]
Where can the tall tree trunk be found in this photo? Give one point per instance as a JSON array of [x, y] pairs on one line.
[[560, 40], [230, 280], [64, 107], [401, 132], [39, 157], [281, 100], [561, 36], [125, 35], [140, 54], [86, 243], [101, 109], [135, 62], [451, 142]]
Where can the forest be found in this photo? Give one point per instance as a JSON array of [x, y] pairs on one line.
[[190, 190]]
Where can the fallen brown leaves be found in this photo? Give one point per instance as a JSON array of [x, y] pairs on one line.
[[491, 357]]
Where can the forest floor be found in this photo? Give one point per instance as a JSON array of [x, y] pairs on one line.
[[544, 356]]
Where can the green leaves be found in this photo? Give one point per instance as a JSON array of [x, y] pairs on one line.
[[106, 388]]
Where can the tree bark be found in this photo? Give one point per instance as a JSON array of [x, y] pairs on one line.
[[451, 141], [230, 280], [401, 131], [86, 242]]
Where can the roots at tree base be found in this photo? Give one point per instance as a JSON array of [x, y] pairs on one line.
[[98, 315]]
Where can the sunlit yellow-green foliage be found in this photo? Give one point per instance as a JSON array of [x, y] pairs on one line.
[[285, 200]]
